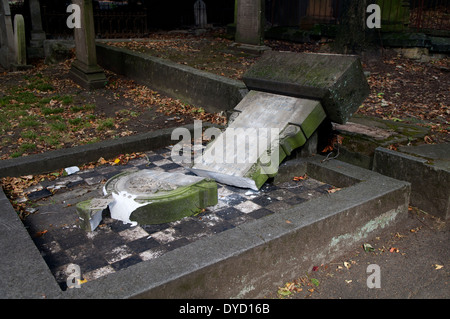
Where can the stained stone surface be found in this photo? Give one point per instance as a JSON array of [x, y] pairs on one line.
[[337, 81], [267, 129]]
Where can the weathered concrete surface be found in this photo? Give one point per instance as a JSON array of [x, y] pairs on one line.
[[212, 92], [24, 273], [337, 81], [427, 168], [361, 135]]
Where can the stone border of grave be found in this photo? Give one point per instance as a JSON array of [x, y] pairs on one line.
[[214, 93], [242, 262], [51, 161]]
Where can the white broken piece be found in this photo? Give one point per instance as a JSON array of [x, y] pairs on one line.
[[72, 170], [123, 206]]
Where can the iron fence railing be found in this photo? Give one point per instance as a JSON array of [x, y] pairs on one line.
[[429, 16], [118, 22]]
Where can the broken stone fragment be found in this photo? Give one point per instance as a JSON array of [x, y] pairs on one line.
[[155, 197], [90, 212]]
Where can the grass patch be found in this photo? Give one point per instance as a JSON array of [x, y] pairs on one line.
[[29, 134], [26, 147], [39, 83], [106, 124], [30, 121], [49, 110], [58, 126]]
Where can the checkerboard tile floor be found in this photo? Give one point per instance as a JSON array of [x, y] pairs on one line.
[[114, 246]]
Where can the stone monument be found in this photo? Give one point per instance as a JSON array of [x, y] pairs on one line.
[[37, 33], [149, 197], [7, 54], [250, 22], [20, 46], [85, 71]]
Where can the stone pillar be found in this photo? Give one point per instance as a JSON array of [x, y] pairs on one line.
[[6, 36], [36, 48], [250, 26], [85, 70]]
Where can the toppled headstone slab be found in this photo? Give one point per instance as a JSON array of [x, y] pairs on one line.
[[337, 81], [268, 128]]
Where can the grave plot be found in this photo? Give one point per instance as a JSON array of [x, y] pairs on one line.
[[56, 230]]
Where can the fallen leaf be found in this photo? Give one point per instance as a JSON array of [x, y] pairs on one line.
[[368, 247], [437, 267], [39, 234], [300, 178], [315, 282], [333, 190]]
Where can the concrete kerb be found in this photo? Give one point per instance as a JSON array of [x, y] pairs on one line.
[[243, 262], [51, 161], [212, 92], [428, 174]]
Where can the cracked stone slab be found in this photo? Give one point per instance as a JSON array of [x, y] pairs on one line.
[[267, 129]]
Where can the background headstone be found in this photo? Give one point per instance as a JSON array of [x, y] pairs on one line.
[[7, 56], [250, 23], [85, 70], [20, 45], [200, 13], [37, 33]]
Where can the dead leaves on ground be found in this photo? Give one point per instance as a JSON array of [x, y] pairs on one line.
[[17, 188]]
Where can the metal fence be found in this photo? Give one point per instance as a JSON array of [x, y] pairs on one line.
[[111, 21], [429, 16]]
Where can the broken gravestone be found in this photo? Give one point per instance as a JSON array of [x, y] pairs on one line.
[[149, 197], [337, 81], [291, 94], [267, 129]]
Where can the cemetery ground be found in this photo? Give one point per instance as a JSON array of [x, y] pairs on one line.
[[42, 110]]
